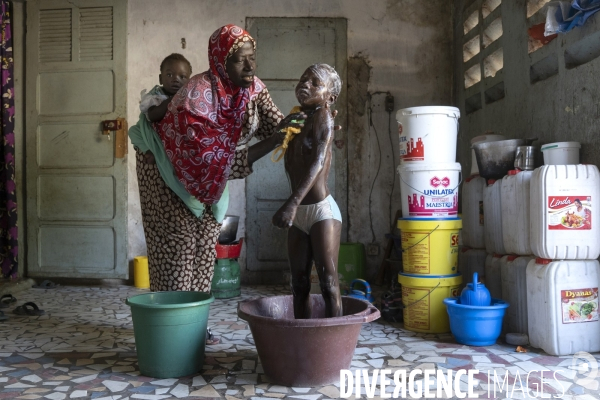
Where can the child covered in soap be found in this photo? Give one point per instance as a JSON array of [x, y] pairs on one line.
[[311, 214]]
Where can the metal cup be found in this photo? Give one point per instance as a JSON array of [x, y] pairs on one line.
[[525, 158]]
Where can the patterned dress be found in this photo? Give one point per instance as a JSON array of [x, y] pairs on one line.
[[181, 247]]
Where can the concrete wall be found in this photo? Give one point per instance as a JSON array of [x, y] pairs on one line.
[[563, 107], [400, 46]]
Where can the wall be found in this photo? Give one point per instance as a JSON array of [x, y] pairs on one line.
[[400, 46], [550, 94]]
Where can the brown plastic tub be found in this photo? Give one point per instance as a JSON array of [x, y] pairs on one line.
[[304, 352]]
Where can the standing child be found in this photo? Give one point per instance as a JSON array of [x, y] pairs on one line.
[[312, 216]]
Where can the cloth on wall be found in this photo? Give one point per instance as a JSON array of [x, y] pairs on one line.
[[8, 195], [562, 16]]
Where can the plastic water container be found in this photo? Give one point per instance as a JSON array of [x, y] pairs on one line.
[[562, 305], [515, 212], [492, 210], [472, 211], [428, 134], [514, 291], [470, 261], [493, 274], [481, 139], [561, 153], [564, 201], [429, 190]]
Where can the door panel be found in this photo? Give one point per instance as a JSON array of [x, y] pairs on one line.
[[76, 188], [313, 40]]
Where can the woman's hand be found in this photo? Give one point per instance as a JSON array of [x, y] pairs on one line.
[[293, 120], [284, 217], [334, 114]]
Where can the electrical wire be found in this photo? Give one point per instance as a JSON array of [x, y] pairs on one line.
[[393, 168], [371, 125]]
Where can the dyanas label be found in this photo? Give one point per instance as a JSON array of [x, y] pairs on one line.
[[569, 212], [579, 305]]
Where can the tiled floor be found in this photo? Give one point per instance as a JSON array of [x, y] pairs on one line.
[[83, 347]]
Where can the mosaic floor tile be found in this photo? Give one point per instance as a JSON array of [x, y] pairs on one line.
[[84, 348]]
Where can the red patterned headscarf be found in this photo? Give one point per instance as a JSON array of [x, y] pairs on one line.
[[203, 124]]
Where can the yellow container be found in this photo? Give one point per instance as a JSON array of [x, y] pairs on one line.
[[423, 300], [141, 275], [430, 246]]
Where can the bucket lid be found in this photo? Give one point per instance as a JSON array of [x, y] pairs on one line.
[[451, 112], [496, 255], [543, 261], [512, 257], [417, 167], [428, 224], [473, 176], [429, 280], [513, 172], [561, 145], [491, 181]]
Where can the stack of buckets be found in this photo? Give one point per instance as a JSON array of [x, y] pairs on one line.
[[430, 227]]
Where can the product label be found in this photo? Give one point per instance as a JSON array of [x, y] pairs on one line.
[[569, 212], [415, 252], [416, 308], [409, 149], [433, 202], [579, 305], [455, 291], [481, 213]]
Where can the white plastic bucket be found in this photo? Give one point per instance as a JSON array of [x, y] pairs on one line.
[[429, 190], [428, 134], [561, 153], [481, 139]]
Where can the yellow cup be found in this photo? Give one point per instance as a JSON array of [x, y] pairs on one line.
[[141, 276]]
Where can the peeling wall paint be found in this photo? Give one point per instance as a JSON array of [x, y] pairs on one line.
[[403, 47]]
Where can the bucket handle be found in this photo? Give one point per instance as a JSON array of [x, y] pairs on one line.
[[433, 197], [370, 311], [423, 238], [421, 299]]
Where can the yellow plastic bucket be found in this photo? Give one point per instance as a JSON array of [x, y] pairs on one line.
[[430, 246], [141, 276], [423, 300]]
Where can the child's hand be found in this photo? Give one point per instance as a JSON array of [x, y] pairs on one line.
[[149, 158], [284, 217]]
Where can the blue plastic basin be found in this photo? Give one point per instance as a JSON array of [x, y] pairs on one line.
[[474, 325]]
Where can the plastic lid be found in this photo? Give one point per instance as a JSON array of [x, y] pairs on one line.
[[498, 255], [491, 181], [473, 176], [512, 257], [513, 172], [559, 145], [543, 261]]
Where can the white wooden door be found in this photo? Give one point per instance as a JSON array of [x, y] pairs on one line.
[[285, 48], [76, 187]]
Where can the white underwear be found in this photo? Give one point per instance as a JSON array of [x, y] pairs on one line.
[[309, 214]]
